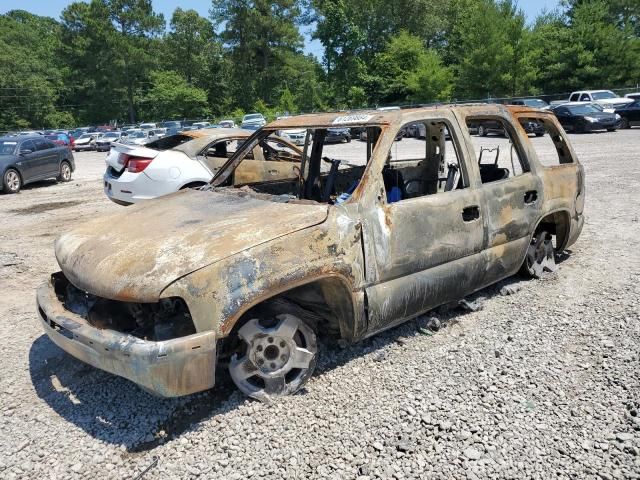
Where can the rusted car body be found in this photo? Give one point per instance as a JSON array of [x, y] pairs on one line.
[[182, 284]]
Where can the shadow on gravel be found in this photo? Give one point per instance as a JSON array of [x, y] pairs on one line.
[[116, 411]]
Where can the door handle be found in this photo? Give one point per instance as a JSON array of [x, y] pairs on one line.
[[530, 197], [469, 214]]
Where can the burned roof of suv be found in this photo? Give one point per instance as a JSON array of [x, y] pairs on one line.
[[386, 117]]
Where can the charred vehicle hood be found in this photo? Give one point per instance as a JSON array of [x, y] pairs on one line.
[[134, 255]]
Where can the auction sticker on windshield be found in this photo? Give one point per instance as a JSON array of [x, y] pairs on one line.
[[352, 119]]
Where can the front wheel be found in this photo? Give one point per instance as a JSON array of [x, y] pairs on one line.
[[540, 257], [482, 132], [65, 172], [277, 356], [11, 181], [625, 123]]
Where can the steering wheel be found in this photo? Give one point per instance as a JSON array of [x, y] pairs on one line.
[[415, 189]]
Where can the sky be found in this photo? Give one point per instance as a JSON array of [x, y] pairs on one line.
[[53, 8]]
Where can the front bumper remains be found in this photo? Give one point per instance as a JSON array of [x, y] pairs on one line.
[[169, 368]]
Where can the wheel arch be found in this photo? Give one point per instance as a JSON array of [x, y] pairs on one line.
[[557, 222], [330, 296]]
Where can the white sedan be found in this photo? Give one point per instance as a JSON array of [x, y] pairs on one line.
[[189, 160]]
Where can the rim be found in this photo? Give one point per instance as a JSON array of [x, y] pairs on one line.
[[12, 180], [481, 131], [66, 171], [280, 356], [541, 255]]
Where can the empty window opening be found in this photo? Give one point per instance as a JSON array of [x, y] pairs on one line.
[[496, 151], [550, 145], [423, 160]]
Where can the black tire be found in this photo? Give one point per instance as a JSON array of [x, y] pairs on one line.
[[348, 138], [625, 123], [11, 181], [64, 174], [611, 129], [482, 132], [539, 134]]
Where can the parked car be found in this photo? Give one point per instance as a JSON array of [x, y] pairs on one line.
[[148, 126], [338, 135], [531, 102], [633, 96], [606, 98], [27, 159], [487, 127], [139, 137], [227, 124], [186, 160], [200, 125], [59, 138], [585, 117], [86, 141], [629, 114], [296, 135], [172, 126], [245, 274], [253, 121], [103, 144]]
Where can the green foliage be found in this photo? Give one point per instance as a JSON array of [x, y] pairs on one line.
[[171, 97], [408, 72], [113, 60], [286, 102], [30, 73]]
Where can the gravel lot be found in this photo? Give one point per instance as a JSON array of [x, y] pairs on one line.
[[543, 383]]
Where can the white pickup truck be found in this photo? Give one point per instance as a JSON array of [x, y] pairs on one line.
[[605, 98]]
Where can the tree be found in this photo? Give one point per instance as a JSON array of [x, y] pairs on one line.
[[408, 72], [258, 35], [30, 72], [490, 49], [172, 97], [586, 48], [187, 43], [111, 45]]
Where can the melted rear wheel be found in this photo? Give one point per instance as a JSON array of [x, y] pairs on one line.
[[540, 257]]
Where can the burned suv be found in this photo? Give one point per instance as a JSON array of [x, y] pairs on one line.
[[357, 238]]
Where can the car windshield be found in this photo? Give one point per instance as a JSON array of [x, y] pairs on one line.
[[85, 135], [7, 147], [137, 135], [111, 135], [323, 171], [583, 109], [603, 95], [253, 116]]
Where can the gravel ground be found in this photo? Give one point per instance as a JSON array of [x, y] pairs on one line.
[[542, 383]]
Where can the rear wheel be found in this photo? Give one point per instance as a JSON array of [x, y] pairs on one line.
[[65, 172], [625, 123], [277, 356], [482, 131], [540, 257], [11, 181]]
